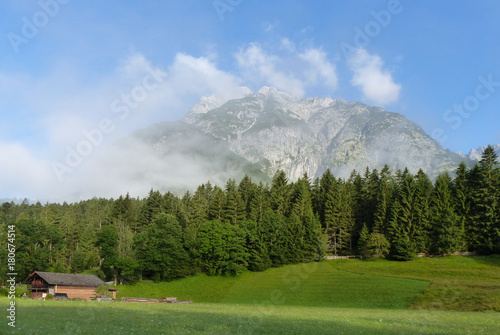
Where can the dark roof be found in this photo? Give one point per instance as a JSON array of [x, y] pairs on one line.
[[68, 279]]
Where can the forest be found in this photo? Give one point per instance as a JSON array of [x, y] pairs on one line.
[[255, 226]]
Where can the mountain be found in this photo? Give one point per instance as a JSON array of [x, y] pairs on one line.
[[475, 154], [270, 130]]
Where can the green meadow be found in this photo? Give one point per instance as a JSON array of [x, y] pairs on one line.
[[451, 295]]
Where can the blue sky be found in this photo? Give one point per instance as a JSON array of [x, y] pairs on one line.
[[65, 66]]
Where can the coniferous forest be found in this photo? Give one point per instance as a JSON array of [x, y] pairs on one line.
[[255, 226]]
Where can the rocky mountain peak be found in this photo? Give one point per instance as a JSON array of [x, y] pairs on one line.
[[275, 130]]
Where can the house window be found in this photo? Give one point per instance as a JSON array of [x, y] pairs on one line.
[[51, 291]]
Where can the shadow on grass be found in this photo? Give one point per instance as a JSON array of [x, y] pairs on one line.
[[492, 260]]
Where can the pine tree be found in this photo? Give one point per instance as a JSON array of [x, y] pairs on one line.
[[402, 248], [149, 210], [274, 235], [384, 200], [258, 257], [259, 203], [321, 193], [280, 194], [301, 199], [339, 219], [403, 224], [216, 206], [234, 207], [246, 189], [199, 210], [446, 232], [485, 219], [462, 199], [424, 190], [364, 237]]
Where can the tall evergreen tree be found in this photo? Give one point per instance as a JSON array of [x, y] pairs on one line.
[[216, 206], [321, 193], [339, 219], [301, 201], [384, 200], [403, 224], [423, 195], [280, 194], [446, 231], [234, 206], [259, 202], [485, 219], [462, 200]]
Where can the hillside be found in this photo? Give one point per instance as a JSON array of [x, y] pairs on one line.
[[449, 283]]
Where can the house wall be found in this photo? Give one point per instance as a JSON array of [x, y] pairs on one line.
[[36, 295], [80, 292]]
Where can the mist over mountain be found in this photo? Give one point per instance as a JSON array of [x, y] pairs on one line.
[[271, 130]]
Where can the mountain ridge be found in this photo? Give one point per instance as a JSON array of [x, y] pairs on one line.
[[278, 131]]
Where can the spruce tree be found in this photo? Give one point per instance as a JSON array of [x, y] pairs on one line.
[[280, 194], [259, 202], [384, 200], [403, 222], [423, 194], [446, 233], [485, 226], [462, 202], [234, 207], [216, 206], [339, 219]]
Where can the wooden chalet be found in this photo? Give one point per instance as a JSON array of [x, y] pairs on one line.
[[75, 286]]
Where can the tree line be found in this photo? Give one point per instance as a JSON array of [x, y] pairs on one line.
[[256, 226]]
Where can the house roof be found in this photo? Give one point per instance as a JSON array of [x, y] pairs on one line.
[[68, 279]]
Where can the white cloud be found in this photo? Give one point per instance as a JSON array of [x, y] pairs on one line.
[[376, 83], [303, 70], [287, 45], [260, 68], [320, 67], [22, 172]]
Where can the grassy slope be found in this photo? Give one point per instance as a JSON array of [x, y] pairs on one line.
[[312, 284], [457, 283], [80, 317]]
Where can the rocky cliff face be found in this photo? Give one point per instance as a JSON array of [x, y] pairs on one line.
[[270, 130], [273, 130]]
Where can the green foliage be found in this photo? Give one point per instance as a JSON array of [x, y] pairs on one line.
[[160, 250], [222, 248], [484, 226], [446, 230]]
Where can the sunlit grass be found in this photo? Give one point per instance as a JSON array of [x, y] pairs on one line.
[[457, 282], [311, 284], [72, 317]]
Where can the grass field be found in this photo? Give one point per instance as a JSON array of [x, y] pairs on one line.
[[73, 317], [457, 283], [312, 284], [331, 297]]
